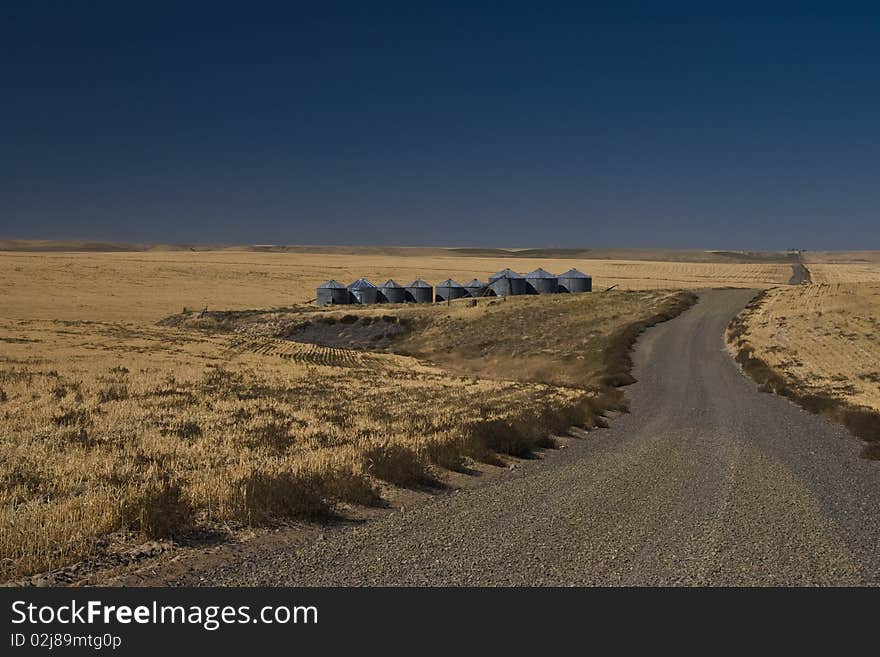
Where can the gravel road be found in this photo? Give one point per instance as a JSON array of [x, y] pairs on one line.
[[707, 481]]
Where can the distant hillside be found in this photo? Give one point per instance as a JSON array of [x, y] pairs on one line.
[[665, 255]]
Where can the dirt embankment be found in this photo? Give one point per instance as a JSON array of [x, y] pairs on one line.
[[861, 421]]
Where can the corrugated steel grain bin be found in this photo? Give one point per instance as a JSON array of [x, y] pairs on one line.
[[477, 288], [419, 292], [364, 292], [449, 290], [575, 281], [333, 292], [507, 282], [391, 292], [542, 282]]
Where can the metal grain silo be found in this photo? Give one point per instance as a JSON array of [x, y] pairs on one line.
[[477, 288], [392, 292], [449, 290], [575, 281], [419, 292], [333, 292], [541, 281], [364, 292], [507, 282]]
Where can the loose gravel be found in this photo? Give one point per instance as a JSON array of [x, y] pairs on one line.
[[706, 482]]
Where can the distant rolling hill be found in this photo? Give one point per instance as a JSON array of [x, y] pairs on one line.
[[667, 255]]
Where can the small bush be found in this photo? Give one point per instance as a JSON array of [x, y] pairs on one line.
[[863, 422], [262, 498], [397, 464], [159, 509], [506, 437]]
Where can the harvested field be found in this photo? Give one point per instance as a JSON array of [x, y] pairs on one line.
[[833, 273], [818, 344], [147, 286], [114, 429], [829, 267], [108, 428]]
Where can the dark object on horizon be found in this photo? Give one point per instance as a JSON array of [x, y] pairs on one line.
[[364, 292], [419, 292], [477, 288], [392, 292], [449, 290], [333, 292], [575, 281], [507, 282], [541, 281]]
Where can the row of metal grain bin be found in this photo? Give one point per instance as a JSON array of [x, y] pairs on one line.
[[508, 282], [505, 283], [363, 291]]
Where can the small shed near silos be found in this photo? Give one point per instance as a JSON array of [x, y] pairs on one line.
[[575, 281], [419, 291], [541, 281], [477, 288], [392, 292], [507, 282], [333, 293], [364, 292], [449, 290]]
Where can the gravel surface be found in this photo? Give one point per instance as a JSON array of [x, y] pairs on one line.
[[707, 481]]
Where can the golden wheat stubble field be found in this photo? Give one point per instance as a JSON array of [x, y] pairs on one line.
[[147, 286], [823, 338], [115, 429]]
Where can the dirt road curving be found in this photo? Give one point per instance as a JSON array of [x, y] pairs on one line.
[[707, 481]]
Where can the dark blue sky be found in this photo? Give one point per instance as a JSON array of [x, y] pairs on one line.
[[505, 124]]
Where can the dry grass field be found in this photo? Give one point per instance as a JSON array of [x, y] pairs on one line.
[[834, 273], [825, 337], [818, 344], [147, 286], [107, 427], [114, 428], [829, 267]]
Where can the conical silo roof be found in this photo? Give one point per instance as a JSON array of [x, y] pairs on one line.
[[331, 285], [574, 273], [390, 283], [448, 283], [505, 273], [540, 273], [361, 284], [476, 283], [419, 283]]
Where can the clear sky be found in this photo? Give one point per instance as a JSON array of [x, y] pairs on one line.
[[669, 124]]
